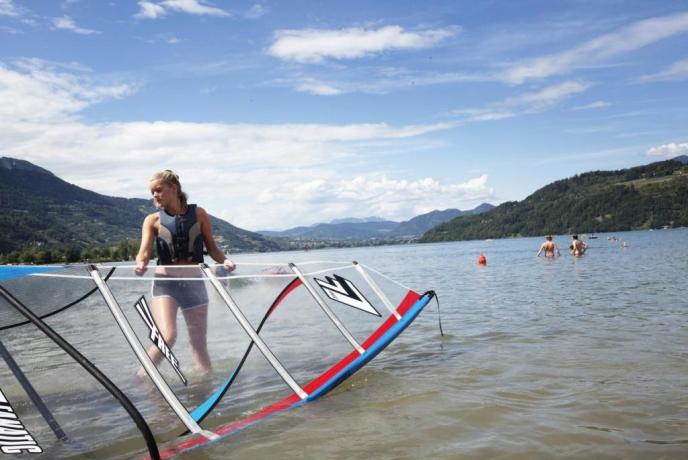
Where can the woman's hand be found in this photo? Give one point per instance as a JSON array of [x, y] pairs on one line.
[[229, 265], [140, 268]]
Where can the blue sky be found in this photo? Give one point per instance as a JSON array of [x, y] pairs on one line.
[[277, 114]]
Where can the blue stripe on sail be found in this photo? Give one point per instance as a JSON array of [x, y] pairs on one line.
[[15, 271], [201, 411], [374, 349]]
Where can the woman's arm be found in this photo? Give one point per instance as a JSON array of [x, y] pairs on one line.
[[147, 234], [206, 230]]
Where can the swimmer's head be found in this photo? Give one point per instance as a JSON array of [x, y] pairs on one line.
[[548, 237]]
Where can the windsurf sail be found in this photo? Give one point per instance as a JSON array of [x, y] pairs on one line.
[[22, 441], [287, 332]]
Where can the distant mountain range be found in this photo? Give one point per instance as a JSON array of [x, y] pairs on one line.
[[644, 197], [355, 220], [39, 208], [373, 227]]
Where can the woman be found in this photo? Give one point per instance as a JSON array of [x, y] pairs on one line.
[[180, 230]]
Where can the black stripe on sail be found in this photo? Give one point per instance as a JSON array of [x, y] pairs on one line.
[[61, 309], [90, 368], [156, 337]]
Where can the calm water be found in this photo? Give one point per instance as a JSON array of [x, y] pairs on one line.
[[566, 358], [573, 358]]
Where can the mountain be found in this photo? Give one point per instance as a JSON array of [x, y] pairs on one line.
[[341, 231], [40, 209], [650, 196], [421, 224], [352, 228], [357, 220], [682, 158]]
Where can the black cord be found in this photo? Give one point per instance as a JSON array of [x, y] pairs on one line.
[[439, 315]]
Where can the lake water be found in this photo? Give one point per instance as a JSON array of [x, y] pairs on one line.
[[568, 358], [571, 358]]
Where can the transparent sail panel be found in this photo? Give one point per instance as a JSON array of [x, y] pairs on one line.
[[78, 407], [47, 293], [305, 317]]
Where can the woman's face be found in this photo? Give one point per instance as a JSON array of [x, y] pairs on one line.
[[163, 193]]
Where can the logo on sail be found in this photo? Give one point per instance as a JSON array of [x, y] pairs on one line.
[[156, 336], [342, 290], [14, 437]]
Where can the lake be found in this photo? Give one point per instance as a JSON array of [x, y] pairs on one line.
[[574, 358], [569, 358]]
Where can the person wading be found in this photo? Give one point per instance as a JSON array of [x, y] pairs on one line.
[[180, 230]]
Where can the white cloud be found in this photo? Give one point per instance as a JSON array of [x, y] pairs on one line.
[[153, 10], [67, 23], [235, 169], [197, 7], [668, 150], [7, 8], [35, 92], [150, 10], [624, 40], [318, 88], [316, 45], [256, 11], [227, 168], [388, 79], [676, 71], [592, 105], [373, 194], [548, 95], [524, 104], [10, 30]]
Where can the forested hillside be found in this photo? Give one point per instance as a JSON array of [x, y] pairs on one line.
[[644, 197], [39, 213]]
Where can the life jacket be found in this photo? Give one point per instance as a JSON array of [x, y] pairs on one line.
[[179, 238]]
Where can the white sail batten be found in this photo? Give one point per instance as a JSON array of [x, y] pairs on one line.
[[376, 289]]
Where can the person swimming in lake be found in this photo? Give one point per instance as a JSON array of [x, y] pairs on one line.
[[577, 247], [549, 247], [180, 230]]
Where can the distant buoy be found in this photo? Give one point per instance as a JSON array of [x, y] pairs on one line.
[[482, 260]]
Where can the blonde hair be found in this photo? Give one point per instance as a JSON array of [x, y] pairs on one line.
[[170, 178]]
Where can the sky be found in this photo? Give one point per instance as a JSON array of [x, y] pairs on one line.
[[278, 114]]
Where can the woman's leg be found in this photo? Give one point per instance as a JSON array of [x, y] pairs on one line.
[[164, 311], [197, 323]]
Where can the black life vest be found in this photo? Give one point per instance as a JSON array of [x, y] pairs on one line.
[[179, 238]]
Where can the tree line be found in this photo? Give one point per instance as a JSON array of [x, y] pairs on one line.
[[58, 254]]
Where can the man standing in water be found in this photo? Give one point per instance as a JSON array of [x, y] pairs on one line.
[[548, 247], [577, 246]]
